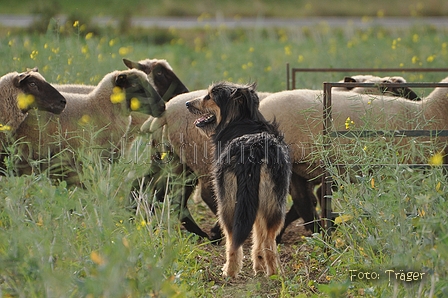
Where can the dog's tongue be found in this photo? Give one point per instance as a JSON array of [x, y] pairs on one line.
[[199, 120], [203, 120]]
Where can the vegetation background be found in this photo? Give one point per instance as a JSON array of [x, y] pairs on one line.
[[60, 241]]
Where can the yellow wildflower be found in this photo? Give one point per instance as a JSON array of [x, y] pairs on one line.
[[117, 95], [123, 51], [4, 127], [85, 119], [97, 258], [33, 54], [24, 100], [415, 38], [343, 218], [135, 104], [348, 123], [436, 159]]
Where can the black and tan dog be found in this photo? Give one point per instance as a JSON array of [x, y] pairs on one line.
[[251, 173]]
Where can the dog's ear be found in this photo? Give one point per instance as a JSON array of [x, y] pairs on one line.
[[249, 99]]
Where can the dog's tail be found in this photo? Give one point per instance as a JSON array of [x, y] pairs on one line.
[[246, 208]]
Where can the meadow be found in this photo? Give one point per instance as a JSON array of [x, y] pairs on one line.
[[61, 241]]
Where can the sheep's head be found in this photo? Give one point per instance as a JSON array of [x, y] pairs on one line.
[[140, 95], [404, 92], [161, 74], [35, 92]]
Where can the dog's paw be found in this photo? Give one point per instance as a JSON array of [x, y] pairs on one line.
[[229, 271]]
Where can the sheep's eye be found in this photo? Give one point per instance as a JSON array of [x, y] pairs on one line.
[[32, 84]]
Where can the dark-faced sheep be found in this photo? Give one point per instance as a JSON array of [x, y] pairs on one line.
[[299, 114], [404, 92], [161, 76], [21, 92], [105, 112]]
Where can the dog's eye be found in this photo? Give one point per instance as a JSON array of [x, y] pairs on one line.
[[207, 97]]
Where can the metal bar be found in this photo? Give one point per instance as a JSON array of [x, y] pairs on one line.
[[388, 133], [288, 83], [293, 80], [358, 84], [326, 194], [327, 180], [369, 70]]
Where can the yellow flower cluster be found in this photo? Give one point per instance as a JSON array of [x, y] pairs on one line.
[[348, 123], [24, 100], [117, 95]]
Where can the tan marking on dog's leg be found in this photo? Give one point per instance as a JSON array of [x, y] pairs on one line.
[[266, 235], [226, 210], [234, 258], [270, 253], [258, 256]]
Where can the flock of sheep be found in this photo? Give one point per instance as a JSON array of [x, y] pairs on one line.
[[58, 120]]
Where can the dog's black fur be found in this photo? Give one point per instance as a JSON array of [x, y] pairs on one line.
[[251, 173]]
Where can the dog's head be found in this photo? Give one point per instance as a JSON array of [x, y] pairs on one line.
[[225, 102]]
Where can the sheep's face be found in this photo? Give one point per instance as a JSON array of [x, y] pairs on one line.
[[161, 74], [166, 81], [140, 95], [224, 103], [39, 93]]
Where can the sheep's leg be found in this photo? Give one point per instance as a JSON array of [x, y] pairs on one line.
[[304, 204], [208, 197], [185, 216]]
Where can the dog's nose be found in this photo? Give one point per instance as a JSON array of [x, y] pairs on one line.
[[187, 104]]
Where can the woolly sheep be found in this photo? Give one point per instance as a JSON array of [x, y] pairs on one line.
[[404, 92], [161, 76], [74, 88], [299, 114], [109, 120], [30, 83], [20, 92]]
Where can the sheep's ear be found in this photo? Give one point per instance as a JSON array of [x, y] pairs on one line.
[[349, 80], [19, 78], [35, 69], [130, 64], [121, 80]]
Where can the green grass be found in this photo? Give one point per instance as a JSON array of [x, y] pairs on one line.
[[233, 8], [59, 241]]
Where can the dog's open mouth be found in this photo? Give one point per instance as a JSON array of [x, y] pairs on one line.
[[204, 120]]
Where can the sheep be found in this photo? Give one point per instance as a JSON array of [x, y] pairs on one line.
[[105, 110], [21, 92], [161, 76], [74, 88], [299, 114], [14, 86], [404, 92]]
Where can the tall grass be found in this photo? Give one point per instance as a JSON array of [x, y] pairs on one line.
[[58, 240]]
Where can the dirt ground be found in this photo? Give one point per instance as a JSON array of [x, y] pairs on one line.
[[294, 258]]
